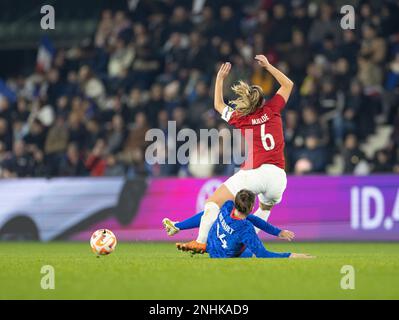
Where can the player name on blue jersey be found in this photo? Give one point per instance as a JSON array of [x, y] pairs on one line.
[[224, 224]]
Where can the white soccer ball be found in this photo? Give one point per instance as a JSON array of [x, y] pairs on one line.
[[103, 242]]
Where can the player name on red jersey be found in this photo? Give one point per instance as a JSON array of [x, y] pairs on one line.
[[260, 120], [266, 144]]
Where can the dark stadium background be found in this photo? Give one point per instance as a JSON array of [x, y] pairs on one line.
[[156, 63]]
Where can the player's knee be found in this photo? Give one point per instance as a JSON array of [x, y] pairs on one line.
[[270, 202]]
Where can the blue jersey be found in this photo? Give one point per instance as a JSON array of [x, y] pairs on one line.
[[230, 236]]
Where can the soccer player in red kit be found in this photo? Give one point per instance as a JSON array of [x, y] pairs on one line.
[[263, 170]]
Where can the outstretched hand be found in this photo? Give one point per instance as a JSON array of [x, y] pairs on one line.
[[301, 256], [224, 70], [262, 60], [286, 235]]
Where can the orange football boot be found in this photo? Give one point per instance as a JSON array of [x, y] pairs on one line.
[[192, 246]]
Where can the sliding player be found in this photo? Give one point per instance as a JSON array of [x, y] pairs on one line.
[[263, 171], [233, 235]]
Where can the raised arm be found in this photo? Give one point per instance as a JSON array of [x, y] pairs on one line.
[[285, 83], [222, 74]]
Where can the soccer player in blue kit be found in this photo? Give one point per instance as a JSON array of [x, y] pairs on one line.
[[233, 235]]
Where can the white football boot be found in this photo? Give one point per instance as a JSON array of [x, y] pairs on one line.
[[170, 227]]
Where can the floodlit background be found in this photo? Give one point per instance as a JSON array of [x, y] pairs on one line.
[[113, 70]]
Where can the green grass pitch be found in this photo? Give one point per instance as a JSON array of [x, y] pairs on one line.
[[158, 271]]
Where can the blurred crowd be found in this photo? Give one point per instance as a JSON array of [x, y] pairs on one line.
[[155, 61]]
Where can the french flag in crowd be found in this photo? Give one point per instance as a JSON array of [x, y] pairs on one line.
[[45, 55]]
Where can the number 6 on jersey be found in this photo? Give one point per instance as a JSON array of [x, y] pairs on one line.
[[267, 139]]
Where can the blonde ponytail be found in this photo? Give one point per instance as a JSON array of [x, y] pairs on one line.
[[249, 98]]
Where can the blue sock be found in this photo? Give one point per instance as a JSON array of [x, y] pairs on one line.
[[190, 223]]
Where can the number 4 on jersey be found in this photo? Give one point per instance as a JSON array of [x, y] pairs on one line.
[[221, 237]]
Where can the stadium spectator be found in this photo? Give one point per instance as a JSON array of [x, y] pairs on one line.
[[96, 162], [325, 24], [352, 154], [314, 152], [20, 163], [381, 163], [5, 134], [132, 153], [72, 164], [310, 126]]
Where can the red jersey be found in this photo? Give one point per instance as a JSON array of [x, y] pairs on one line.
[[263, 131]]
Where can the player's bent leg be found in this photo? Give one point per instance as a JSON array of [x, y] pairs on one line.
[[273, 191], [211, 210], [190, 223], [263, 212]]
